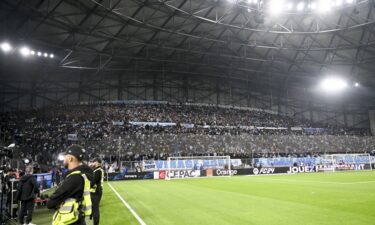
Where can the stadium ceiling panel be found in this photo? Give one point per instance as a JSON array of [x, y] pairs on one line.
[[205, 37]]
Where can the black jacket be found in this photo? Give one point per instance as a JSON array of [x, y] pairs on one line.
[[71, 187], [27, 188], [97, 181]]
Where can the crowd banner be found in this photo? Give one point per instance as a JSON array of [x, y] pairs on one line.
[[148, 165], [152, 124], [187, 125], [117, 123], [151, 165], [302, 161], [73, 137]]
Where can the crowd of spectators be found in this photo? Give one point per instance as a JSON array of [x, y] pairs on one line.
[[106, 130]]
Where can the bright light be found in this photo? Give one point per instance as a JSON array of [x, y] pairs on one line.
[[25, 51], [39, 54], [324, 6], [290, 6], [51, 56], [300, 6], [6, 47], [61, 157], [356, 84], [276, 6], [349, 1], [26, 161], [338, 2], [32, 52], [45, 54], [333, 84], [313, 5]]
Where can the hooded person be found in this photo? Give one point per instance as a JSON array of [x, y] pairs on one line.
[[26, 194]]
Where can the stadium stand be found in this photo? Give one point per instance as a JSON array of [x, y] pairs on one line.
[[157, 131]]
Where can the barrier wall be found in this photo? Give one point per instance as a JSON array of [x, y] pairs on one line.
[[163, 174]]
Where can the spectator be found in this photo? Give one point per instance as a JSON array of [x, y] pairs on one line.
[[26, 193]]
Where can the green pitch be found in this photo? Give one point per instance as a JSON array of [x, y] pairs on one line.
[[319, 198]]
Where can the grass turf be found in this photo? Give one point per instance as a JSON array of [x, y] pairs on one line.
[[318, 198]]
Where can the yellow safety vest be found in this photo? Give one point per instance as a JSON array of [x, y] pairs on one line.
[[93, 189], [69, 211]]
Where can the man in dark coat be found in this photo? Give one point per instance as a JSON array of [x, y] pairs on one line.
[[26, 193]]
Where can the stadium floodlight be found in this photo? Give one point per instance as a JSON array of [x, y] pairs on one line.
[[290, 6], [51, 56], [45, 54], [324, 6], [313, 5], [32, 52], [276, 6], [6, 47], [356, 84], [349, 1], [39, 54], [301, 6], [25, 51], [333, 84], [338, 2]]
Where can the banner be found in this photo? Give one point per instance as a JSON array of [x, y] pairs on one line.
[[272, 128], [152, 124], [257, 171], [148, 165], [302, 169], [251, 171], [184, 173], [201, 164], [118, 123], [314, 130], [130, 176], [343, 167], [187, 125], [72, 137], [225, 172]]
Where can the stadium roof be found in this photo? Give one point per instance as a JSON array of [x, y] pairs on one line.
[[217, 38]]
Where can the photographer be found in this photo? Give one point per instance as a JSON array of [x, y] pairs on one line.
[[26, 193]]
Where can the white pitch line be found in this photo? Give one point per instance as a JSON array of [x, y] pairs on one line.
[[127, 206]]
